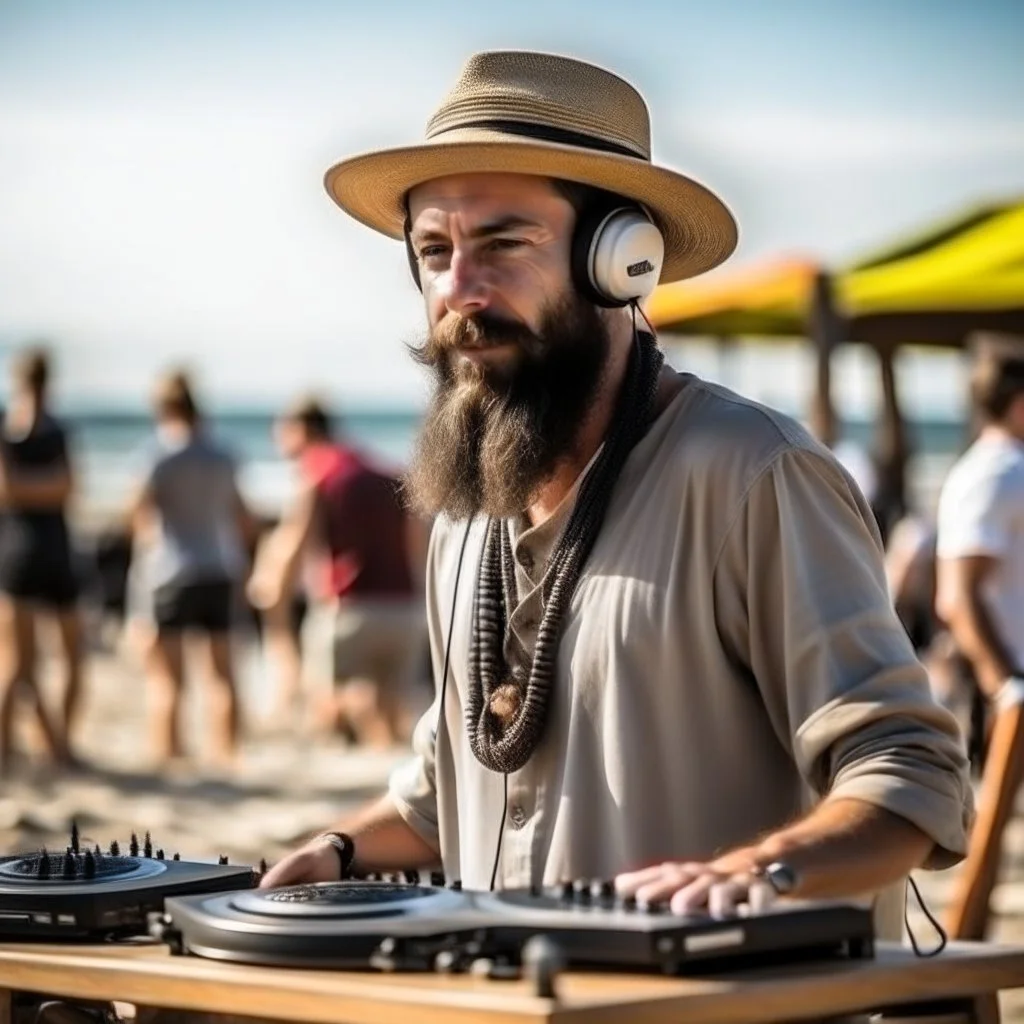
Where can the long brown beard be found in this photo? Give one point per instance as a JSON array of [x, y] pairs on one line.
[[491, 438]]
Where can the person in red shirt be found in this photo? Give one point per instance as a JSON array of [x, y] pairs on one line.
[[361, 557]]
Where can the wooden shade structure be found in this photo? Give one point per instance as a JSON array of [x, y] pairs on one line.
[[936, 288]]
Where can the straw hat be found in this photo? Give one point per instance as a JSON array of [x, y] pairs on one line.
[[538, 113]]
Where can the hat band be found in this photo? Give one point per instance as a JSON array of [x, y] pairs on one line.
[[547, 133]]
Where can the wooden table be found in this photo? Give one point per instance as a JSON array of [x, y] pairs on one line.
[[964, 979]]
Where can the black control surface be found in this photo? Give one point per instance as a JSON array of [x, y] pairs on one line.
[[392, 925], [85, 892]]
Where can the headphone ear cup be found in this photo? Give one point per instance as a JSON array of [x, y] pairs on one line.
[[414, 263], [626, 256]]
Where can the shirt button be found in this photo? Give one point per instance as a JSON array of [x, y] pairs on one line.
[[516, 816]]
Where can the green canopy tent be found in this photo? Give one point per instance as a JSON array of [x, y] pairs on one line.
[[936, 288]]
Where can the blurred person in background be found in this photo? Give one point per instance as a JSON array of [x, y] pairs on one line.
[[37, 576], [980, 595], [980, 542], [190, 530], [361, 555]]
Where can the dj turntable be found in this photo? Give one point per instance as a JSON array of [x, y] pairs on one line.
[[424, 925], [86, 893]]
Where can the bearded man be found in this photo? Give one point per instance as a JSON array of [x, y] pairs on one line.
[[664, 650]]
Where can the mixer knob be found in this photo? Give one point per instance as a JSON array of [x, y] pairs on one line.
[[373, 876], [89, 865], [223, 859], [69, 865], [43, 871], [602, 890], [97, 852], [456, 884], [437, 878], [627, 902], [147, 847], [581, 890], [654, 907], [133, 846], [115, 848], [177, 856], [411, 877], [74, 836], [160, 854], [567, 890]]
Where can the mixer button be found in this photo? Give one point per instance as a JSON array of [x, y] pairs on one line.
[[566, 890], [437, 878], [411, 877], [581, 890], [654, 907], [456, 884], [602, 890]]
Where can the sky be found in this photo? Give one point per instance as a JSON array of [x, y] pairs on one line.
[[161, 164]]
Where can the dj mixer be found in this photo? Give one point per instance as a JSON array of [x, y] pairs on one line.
[[87, 893], [422, 926]]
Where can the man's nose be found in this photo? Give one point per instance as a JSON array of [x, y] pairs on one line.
[[464, 286]]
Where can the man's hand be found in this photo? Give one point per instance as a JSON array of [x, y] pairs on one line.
[[317, 861], [719, 887]]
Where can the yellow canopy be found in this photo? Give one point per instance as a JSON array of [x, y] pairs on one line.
[[971, 265]]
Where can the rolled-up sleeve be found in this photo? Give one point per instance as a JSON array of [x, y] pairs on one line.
[[803, 565], [413, 786]]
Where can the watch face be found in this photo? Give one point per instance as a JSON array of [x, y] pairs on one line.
[[781, 877]]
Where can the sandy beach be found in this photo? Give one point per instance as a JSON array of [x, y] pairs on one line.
[[286, 787]]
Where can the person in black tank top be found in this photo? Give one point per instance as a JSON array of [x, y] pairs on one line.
[[36, 565]]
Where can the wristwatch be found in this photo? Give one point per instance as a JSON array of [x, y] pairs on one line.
[[345, 847], [780, 876]]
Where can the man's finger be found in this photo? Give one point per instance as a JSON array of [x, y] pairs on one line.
[[630, 882]]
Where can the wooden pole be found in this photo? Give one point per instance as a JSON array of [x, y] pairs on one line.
[[892, 449], [826, 330]]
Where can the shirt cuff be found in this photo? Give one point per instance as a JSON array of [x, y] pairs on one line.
[[415, 807], [942, 817]]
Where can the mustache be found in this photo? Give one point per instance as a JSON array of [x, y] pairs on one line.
[[479, 331]]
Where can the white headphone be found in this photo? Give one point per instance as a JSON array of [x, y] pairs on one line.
[[617, 254]]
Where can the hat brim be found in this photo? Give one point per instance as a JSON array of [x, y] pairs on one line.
[[699, 231]]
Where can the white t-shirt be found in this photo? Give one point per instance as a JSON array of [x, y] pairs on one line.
[[981, 512]]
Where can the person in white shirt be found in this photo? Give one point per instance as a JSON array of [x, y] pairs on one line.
[[980, 596], [981, 531]]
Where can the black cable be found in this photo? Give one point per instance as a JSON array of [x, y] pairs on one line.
[[943, 938], [501, 832], [441, 719], [448, 644]]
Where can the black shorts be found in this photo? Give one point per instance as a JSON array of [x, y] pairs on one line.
[[208, 607], [37, 572]]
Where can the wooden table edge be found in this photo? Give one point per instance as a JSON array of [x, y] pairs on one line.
[[319, 997]]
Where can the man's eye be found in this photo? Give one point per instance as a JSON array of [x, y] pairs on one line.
[[506, 243], [430, 251]]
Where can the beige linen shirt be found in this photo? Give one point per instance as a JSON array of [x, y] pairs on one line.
[[730, 655]]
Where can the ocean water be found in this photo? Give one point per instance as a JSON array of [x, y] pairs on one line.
[[109, 451]]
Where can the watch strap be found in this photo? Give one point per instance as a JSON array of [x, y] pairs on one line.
[[345, 846]]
